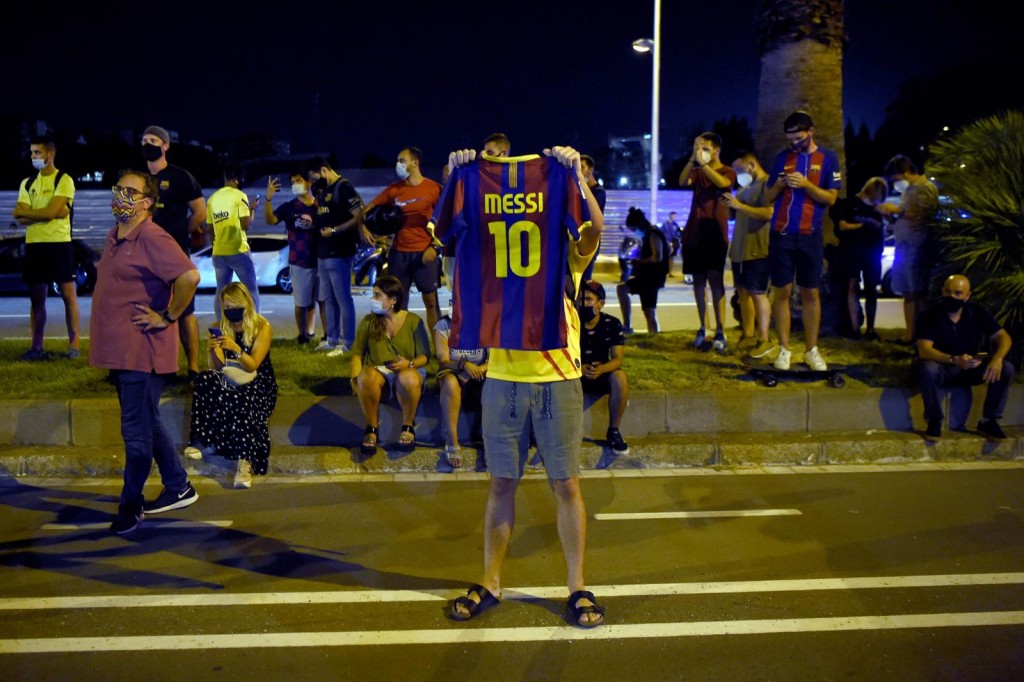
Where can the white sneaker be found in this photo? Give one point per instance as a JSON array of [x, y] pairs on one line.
[[243, 474], [193, 453], [338, 350], [782, 362], [814, 360], [326, 345]]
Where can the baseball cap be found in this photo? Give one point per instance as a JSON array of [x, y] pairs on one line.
[[594, 287], [798, 121], [159, 132]]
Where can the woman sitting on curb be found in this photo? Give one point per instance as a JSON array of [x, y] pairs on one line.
[[234, 399], [389, 354]]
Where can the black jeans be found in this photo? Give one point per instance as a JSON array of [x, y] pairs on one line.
[[935, 377]]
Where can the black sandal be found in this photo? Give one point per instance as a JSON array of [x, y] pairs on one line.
[[473, 607], [369, 446], [577, 611], [407, 439]]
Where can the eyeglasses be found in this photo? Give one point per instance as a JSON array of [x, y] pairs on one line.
[[127, 192]]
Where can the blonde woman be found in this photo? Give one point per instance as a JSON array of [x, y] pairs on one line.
[[233, 401]]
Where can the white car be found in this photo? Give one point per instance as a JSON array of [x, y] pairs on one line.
[[888, 255], [269, 256]]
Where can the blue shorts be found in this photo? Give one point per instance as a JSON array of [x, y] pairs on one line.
[[910, 270], [802, 254], [305, 285], [552, 410], [751, 275]]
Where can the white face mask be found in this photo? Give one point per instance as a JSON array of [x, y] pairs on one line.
[[705, 156], [376, 307], [900, 186], [39, 164], [298, 189], [401, 170], [744, 179]]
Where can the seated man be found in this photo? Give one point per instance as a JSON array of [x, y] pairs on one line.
[[950, 340], [602, 347], [460, 375]]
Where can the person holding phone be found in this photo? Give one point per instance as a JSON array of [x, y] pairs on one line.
[[952, 337], [389, 355], [233, 400]]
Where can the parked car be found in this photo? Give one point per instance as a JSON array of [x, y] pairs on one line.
[[12, 257], [888, 255], [269, 256]]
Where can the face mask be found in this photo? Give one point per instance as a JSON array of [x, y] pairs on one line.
[[587, 313], [39, 164], [802, 145], [744, 179], [704, 156], [318, 186], [900, 186], [298, 189], [234, 315], [401, 170], [151, 152], [123, 210], [952, 305], [377, 308]]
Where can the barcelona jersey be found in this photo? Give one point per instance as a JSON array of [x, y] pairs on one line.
[[511, 220], [795, 211]]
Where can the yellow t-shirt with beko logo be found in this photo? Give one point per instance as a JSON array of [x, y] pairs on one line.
[[224, 211], [541, 366], [37, 192]]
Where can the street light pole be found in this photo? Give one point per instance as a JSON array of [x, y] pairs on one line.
[[655, 77]]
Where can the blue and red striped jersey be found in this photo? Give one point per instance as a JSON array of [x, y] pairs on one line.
[[794, 208], [511, 220]]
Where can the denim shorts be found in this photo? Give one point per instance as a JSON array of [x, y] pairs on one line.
[[909, 270], [801, 254], [552, 411]]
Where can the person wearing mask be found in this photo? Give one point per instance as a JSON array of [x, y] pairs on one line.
[[705, 238], [587, 166], [748, 254], [412, 257], [298, 216], [143, 284], [390, 352], [181, 210], [959, 343], [602, 348], [44, 208], [233, 400], [228, 215]]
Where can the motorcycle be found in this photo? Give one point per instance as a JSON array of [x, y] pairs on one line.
[[369, 263], [629, 251]]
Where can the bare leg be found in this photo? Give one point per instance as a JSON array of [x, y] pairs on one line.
[[368, 389], [625, 305], [433, 310], [69, 294], [812, 315], [651, 315], [618, 399], [451, 405], [188, 332], [37, 321], [700, 297], [301, 319], [747, 313], [780, 308], [717, 283], [763, 312], [852, 305], [572, 532], [409, 386], [499, 520]]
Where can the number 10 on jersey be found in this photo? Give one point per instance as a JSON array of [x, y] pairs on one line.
[[508, 248]]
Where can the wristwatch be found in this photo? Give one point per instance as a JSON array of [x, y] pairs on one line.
[[166, 314]]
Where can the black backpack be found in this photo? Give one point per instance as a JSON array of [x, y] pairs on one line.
[[29, 181]]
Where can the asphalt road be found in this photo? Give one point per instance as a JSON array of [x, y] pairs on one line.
[[894, 573], [676, 310]]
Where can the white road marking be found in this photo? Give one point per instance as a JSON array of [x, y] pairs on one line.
[[643, 516], [522, 593], [148, 522], [457, 635]]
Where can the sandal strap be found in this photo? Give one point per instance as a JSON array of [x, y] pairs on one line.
[[369, 429], [409, 428]]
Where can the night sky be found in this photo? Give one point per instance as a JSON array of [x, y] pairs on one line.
[[372, 77]]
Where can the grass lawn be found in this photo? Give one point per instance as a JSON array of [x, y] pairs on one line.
[[654, 362]]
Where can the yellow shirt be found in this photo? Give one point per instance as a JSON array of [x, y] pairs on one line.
[[225, 210], [58, 229], [541, 366]]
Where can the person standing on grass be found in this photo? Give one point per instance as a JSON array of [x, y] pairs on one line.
[[44, 208], [144, 282], [229, 216]]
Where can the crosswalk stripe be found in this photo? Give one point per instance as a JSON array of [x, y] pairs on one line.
[[521, 593], [461, 635], [642, 516], [163, 525]]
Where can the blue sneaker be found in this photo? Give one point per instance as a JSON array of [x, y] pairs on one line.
[[33, 355], [700, 339]]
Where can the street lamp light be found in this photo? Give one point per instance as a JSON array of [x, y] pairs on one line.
[[653, 45]]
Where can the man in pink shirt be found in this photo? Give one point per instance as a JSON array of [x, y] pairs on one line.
[[143, 285]]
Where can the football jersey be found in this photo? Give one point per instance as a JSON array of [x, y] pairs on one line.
[[511, 220], [795, 210]]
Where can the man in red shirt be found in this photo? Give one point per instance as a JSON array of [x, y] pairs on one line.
[[412, 257]]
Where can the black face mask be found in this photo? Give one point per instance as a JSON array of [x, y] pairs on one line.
[[952, 305], [318, 187], [587, 313], [151, 152], [234, 315]]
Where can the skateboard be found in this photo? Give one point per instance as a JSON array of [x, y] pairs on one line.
[[767, 374]]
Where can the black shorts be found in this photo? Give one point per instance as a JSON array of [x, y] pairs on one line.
[[599, 386], [47, 262], [647, 288], [707, 252], [409, 268]]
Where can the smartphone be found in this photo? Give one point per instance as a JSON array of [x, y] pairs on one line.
[[215, 331]]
